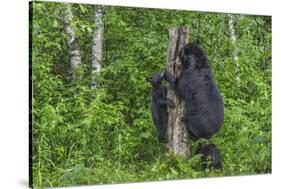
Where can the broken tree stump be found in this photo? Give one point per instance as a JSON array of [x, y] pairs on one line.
[[177, 134]]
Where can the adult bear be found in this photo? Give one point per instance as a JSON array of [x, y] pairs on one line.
[[159, 105], [204, 111]]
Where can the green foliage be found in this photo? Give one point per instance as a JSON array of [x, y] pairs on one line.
[[106, 135]]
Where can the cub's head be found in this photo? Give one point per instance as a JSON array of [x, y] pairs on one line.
[[156, 78]]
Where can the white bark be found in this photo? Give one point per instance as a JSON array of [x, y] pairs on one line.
[[233, 42], [97, 44], [233, 37], [73, 43]]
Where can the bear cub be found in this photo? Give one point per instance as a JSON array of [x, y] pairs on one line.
[[209, 151], [159, 105]]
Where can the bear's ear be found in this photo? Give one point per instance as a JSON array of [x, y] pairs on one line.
[[187, 51]]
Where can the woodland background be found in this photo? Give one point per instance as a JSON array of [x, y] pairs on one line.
[[91, 120]]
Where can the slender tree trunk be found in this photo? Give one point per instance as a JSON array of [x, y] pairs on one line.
[[177, 134], [231, 21], [233, 37], [97, 44], [73, 43]]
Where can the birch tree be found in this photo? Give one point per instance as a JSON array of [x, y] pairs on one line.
[[177, 133], [73, 43], [97, 44], [233, 43]]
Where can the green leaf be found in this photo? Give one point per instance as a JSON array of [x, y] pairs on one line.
[[146, 135], [82, 8]]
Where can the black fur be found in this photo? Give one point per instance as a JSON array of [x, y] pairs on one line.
[[209, 151], [204, 111], [159, 106]]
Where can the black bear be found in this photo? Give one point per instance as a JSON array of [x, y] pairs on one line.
[[204, 111], [209, 152], [159, 106]]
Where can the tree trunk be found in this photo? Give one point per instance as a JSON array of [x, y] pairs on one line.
[[232, 36], [233, 42], [97, 45], [73, 43], [177, 134]]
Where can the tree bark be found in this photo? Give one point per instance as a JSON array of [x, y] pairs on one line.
[[97, 45], [233, 37], [73, 43], [177, 134], [231, 21]]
